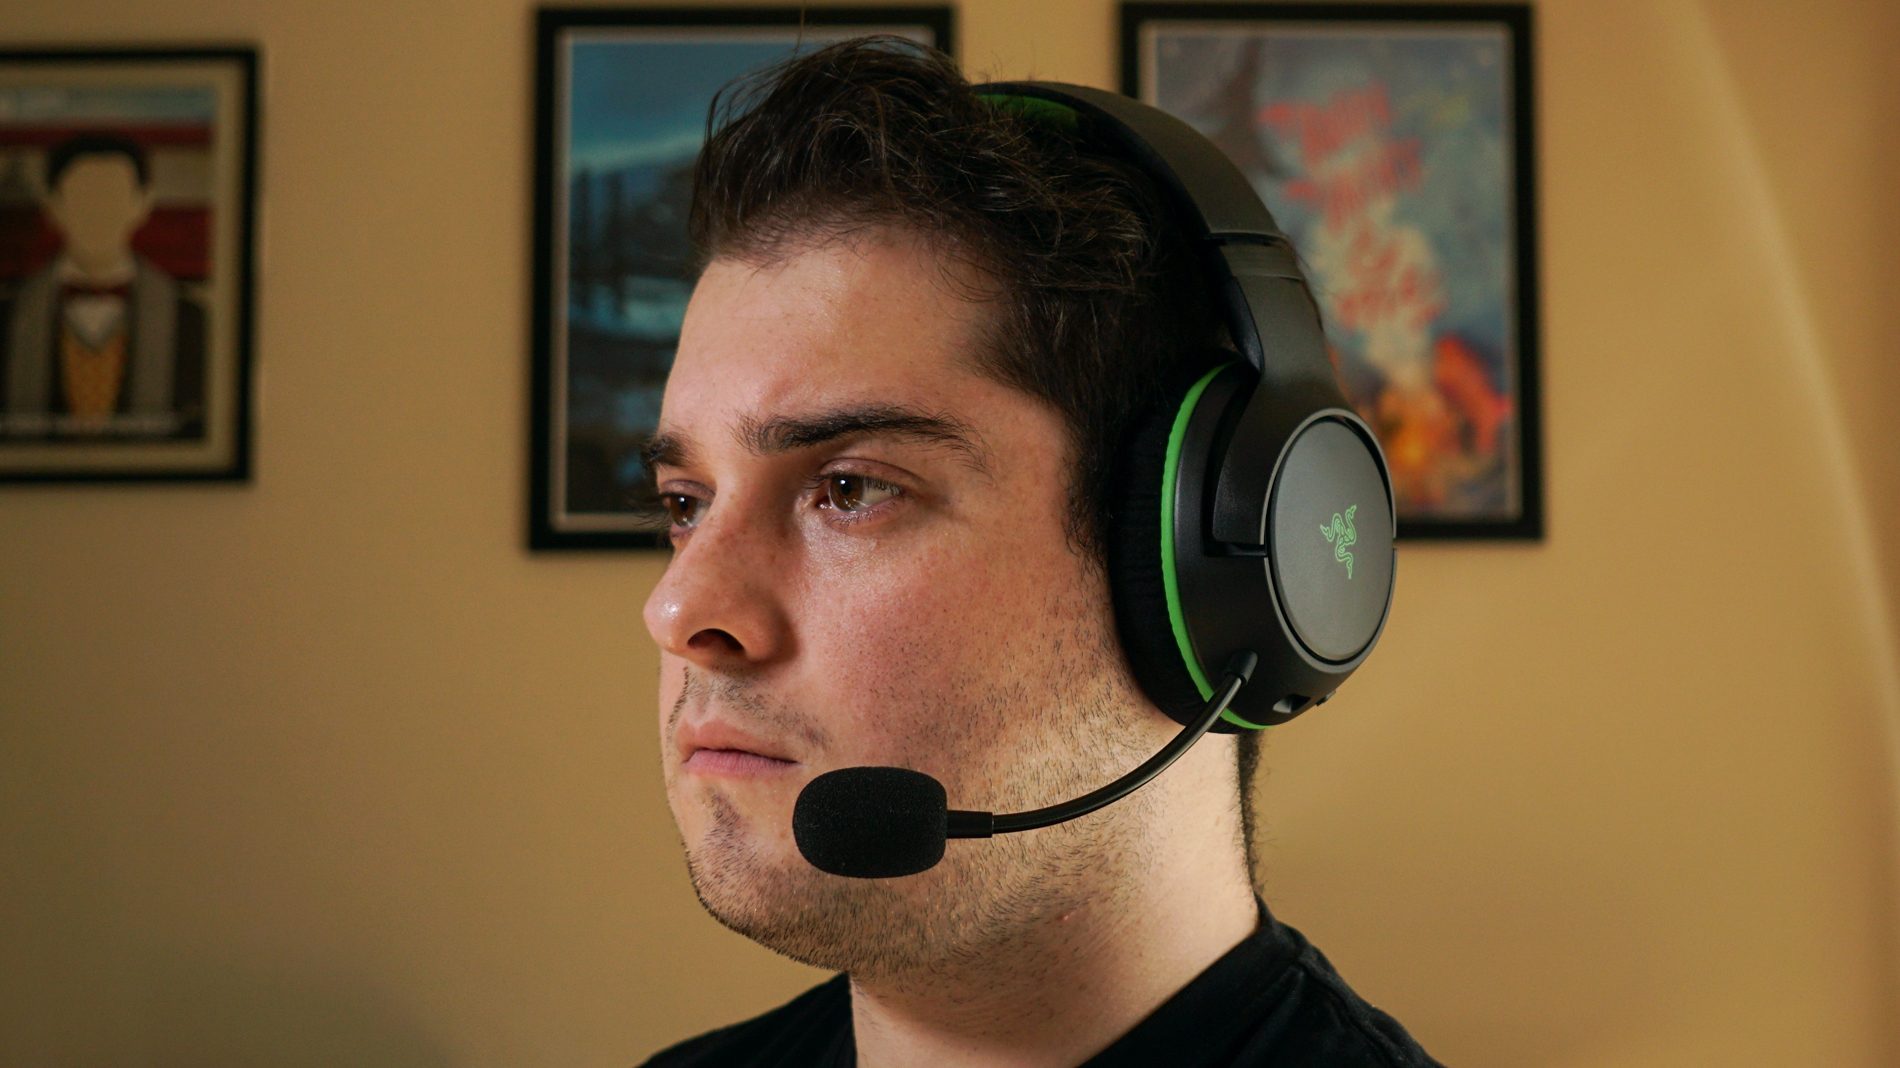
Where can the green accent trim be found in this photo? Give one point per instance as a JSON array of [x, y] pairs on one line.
[[1170, 469], [1228, 715], [1034, 108]]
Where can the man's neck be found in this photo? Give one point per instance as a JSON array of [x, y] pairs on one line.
[[1071, 985]]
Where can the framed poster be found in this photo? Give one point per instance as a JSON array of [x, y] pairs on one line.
[[1394, 144], [621, 98], [126, 206]]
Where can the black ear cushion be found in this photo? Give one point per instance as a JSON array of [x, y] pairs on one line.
[[1134, 562]]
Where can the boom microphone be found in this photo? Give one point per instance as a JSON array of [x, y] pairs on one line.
[[876, 823]]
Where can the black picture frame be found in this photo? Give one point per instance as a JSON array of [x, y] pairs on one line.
[[176, 403], [1328, 108], [599, 355]]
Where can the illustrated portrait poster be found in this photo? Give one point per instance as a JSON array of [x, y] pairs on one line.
[[125, 263], [1393, 145], [622, 100]]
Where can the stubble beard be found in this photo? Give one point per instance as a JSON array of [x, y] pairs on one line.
[[987, 897]]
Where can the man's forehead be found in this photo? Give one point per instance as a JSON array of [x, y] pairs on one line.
[[880, 309], [843, 338], [773, 401]]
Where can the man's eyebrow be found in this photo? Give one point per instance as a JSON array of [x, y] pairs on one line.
[[781, 434], [789, 433], [667, 448]]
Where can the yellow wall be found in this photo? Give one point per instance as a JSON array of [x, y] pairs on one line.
[[327, 769]]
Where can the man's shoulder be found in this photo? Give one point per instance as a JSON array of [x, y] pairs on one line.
[[1311, 1016], [808, 1030], [1339, 1027], [1274, 999]]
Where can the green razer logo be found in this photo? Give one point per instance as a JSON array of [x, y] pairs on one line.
[[1343, 537]]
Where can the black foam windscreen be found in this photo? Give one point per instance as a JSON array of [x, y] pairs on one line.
[[871, 823]]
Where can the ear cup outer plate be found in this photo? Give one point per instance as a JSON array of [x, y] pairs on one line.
[[1230, 595], [1332, 540]]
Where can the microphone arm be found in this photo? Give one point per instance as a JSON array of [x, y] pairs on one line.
[[966, 824]]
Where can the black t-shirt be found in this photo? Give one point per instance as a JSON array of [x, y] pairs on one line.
[[1273, 999]]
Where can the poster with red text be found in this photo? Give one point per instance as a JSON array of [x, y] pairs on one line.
[[1393, 150]]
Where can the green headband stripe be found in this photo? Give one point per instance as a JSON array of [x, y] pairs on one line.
[[1171, 585], [1034, 108]]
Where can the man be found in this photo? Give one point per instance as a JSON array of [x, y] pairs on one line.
[[885, 449], [101, 342]]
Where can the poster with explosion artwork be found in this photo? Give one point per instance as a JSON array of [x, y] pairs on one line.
[[621, 102], [1394, 145], [126, 180]]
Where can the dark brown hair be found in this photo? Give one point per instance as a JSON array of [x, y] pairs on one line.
[[1098, 310]]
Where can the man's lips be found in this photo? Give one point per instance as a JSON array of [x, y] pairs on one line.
[[737, 762], [715, 747]]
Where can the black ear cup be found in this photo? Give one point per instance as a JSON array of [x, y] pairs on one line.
[[1305, 579], [1135, 566], [1309, 602]]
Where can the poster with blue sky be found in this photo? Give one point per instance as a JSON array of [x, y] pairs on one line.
[[626, 95], [1388, 146]]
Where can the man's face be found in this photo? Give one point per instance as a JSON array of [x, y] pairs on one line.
[[871, 568], [98, 205]]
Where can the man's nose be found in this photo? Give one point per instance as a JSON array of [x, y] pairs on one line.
[[718, 604]]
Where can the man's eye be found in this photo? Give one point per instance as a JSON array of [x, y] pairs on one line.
[[681, 510], [855, 493]]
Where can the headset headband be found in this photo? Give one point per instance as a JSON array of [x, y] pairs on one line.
[[1270, 311]]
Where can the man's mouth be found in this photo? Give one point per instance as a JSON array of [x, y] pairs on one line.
[[735, 762], [717, 746]]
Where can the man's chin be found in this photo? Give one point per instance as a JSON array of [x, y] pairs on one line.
[[793, 909], [750, 877], [765, 898], [740, 872]]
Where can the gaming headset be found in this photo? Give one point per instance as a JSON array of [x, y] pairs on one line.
[[1251, 556], [1258, 511]]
